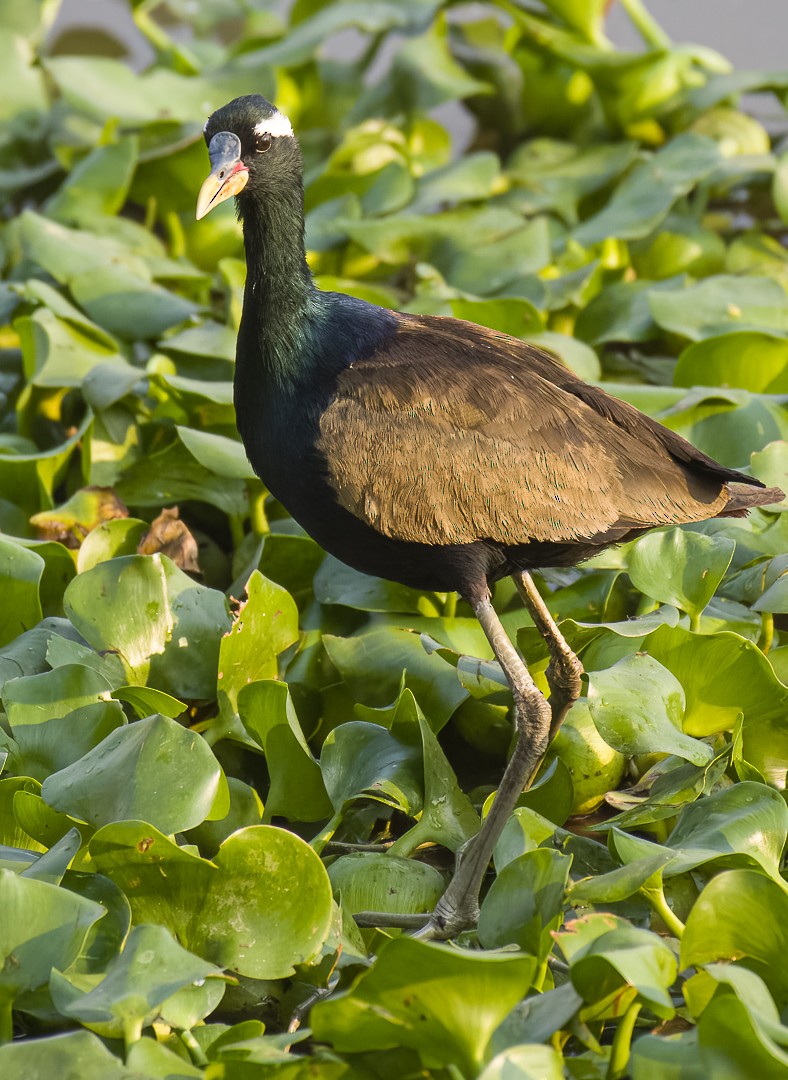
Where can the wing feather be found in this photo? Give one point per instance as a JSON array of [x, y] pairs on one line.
[[447, 438]]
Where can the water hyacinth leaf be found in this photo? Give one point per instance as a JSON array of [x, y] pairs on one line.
[[266, 625], [638, 706], [174, 475], [643, 199], [43, 926], [556, 175], [742, 916], [253, 876], [246, 808], [297, 791], [128, 305], [734, 1042], [223, 456], [725, 829], [618, 884], [448, 818], [20, 576], [110, 540], [508, 314], [679, 567], [97, 185], [70, 1056], [361, 760], [594, 767], [52, 865], [146, 700], [374, 881], [47, 747], [65, 253], [389, 653], [720, 305], [163, 625], [34, 699], [106, 937], [464, 996], [677, 1058], [150, 969], [606, 954], [153, 1059], [532, 1062], [154, 770], [725, 677], [753, 361], [336, 583], [525, 903], [771, 466]]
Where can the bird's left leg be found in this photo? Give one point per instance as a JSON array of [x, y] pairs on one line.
[[458, 908], [564, 670]]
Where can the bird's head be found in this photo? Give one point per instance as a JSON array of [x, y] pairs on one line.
[[251, 145]]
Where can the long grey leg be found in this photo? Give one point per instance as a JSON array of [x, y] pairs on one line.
[[564, 670], [458, 908]]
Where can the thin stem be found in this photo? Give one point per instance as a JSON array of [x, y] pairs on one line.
[[257, 514], [132, 1032], [236, 529], [390, 918], [646, 25], [195, 1050], [6, 1019], [767, 635], [622, 1041], [695, 622], [655, 898], [326, 834], [450, 606]]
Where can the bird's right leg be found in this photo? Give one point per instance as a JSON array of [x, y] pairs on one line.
[[564, 670], [458, 908]]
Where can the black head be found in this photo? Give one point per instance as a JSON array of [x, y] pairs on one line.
[[252, 150]]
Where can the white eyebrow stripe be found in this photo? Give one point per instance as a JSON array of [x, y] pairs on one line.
[[275, 125]]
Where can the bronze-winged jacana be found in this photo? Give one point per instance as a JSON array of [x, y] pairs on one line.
[[435, 452]]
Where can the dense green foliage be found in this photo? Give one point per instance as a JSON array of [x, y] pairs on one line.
[[197, 794]]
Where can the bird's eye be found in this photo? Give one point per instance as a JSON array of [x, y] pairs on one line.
[[263, 143]]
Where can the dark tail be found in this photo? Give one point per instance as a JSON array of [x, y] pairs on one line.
[[744, 497]]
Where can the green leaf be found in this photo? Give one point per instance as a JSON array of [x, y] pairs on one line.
[[642, 200], [742, 916], [753, 361], [236, 911], [638, 706], [154, 770], [266, 625], [163, 625], [71, 1056], [443, 1002], [525, 903], [128, 305], [607, 954], [372, 881], [390, 653], [679, 567], [97, 185], [151, 968], [20, 576], [721, 305], [297, 791], [223, 456], [43, 926], [525, 1063]]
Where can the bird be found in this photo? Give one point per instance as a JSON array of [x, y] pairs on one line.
[[437, 453]]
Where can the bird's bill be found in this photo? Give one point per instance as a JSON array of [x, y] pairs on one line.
[[228, 174]]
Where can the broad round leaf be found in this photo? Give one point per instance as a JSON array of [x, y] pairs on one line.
[[154, 770], [262, 906]]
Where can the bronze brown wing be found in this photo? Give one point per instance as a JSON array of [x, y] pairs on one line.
[[458, 434]]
